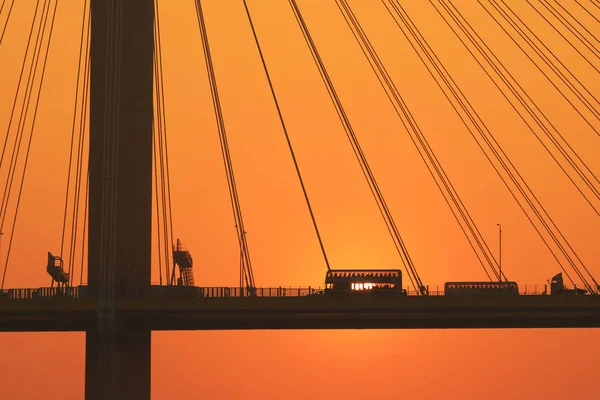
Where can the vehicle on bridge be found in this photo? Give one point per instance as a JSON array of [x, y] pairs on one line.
[[557, 287], [364, 282], [481, 288]]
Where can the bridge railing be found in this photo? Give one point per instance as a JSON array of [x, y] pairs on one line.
[[30, 293], [432, 291], [258, 292], [157, 291], [533, 290]]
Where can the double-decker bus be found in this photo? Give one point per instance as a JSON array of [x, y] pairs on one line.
[[481, 288], [364, 282]]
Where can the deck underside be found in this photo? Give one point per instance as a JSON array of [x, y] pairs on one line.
[[311, 312]]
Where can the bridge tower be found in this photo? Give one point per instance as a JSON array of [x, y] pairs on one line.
[[121, 116]]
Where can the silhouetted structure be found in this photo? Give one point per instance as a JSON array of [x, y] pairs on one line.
[[183, 259], [56, 271], [557, 287], [120, 193]]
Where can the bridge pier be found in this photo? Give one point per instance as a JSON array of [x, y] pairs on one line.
[[119, 249], [128, 359]]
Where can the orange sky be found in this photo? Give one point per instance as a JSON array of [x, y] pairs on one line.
[[345, 364]]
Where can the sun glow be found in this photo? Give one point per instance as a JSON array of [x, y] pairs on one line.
[[362, 286]]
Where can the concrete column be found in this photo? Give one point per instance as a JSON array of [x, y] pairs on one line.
[[122, 44]]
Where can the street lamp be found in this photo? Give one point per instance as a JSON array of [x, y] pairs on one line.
[[500, 250]]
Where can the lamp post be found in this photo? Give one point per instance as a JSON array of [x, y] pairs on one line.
[[500, 250]]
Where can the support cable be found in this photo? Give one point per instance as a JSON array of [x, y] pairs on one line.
[[23, 64], [23, 113], [453, 92], [572, 158], [443, 183], [362, 160], [8, 14], [569, 27], [246, 272], [564, 12], [162, 240], [525, 191], [43, 27], [81, 88], [158, 213], [287, 137], [544, 53], [162, 151], [79, 174], [540, 211], [584, 8], [85, 225], [448, 82]]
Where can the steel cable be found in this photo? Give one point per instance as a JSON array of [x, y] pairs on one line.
[[287, 137]]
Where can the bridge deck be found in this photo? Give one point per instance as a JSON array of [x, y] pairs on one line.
[[307, 312]]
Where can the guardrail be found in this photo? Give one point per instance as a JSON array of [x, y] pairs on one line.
[[534, 290], [163, 292], [157, 291], [259, 292], [40, 292]]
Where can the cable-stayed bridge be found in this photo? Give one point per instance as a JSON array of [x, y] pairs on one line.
[[120, 88]]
